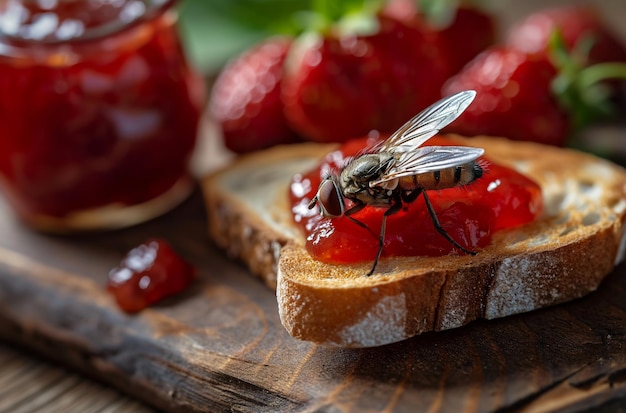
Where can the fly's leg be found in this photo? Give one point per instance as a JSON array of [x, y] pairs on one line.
[[395, 207], [440, 229], [408, 197], [354, 210]]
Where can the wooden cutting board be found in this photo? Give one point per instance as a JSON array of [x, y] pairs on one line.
[[221, 347]]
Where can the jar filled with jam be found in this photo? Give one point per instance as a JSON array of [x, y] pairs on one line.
[[99, 112]]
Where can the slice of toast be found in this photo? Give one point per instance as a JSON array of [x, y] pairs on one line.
[[562, 255]]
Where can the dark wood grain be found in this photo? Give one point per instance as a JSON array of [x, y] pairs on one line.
[[220, 346], [33, 385]]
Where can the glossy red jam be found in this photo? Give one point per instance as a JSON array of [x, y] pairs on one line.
[[98, 106], [501, 198], [149, 273]]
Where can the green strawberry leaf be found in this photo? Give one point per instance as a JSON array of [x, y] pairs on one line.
[[216, 30], [580, 88], [343, 16]]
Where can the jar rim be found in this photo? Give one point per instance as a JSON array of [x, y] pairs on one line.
[[154, 8]]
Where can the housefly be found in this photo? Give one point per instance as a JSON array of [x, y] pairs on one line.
[[399, 170]]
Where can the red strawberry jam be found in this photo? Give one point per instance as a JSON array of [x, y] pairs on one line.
[[149, 273], [502, 198], [98, 106]]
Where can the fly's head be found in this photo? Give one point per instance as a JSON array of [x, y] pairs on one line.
[[329, 198]]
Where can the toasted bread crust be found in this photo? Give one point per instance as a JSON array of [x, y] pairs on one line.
[[563, 255], [236, 224]]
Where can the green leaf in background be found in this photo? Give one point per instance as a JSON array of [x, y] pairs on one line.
[[216, 30]]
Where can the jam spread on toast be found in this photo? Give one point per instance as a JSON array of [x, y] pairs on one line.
[[501, 199]]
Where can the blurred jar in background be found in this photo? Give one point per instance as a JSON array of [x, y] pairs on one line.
[[99, 112]]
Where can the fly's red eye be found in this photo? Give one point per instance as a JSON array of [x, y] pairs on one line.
[[330, 200]]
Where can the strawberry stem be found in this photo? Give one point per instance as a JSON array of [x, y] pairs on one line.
[[439, 13], [344, 16], [582, 90]]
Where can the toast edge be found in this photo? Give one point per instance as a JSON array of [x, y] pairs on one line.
[[439, 300]]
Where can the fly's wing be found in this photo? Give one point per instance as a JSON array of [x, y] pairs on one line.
[[427, 123], [428, 159]]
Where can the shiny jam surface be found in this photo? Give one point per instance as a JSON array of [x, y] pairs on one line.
[[89, 116], [501, 198], [149, 273]]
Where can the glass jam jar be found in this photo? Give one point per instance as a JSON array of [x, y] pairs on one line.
[[99, 112]]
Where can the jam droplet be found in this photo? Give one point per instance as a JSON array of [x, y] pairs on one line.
[[502, 198], [149, 273]]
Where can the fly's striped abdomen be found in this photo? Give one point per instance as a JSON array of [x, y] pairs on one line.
[[441, 179]]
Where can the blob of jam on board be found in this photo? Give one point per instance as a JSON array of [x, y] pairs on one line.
[[149, 273]]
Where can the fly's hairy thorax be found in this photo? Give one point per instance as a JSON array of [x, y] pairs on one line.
[[356, 177]]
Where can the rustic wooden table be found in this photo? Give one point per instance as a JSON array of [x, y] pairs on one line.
[[29, 383]]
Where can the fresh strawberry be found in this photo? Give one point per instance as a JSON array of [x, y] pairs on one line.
[[576, 23], [471, 32], [339, 84], [245, 100], [544, 97], [460, 30], [513, 97]]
